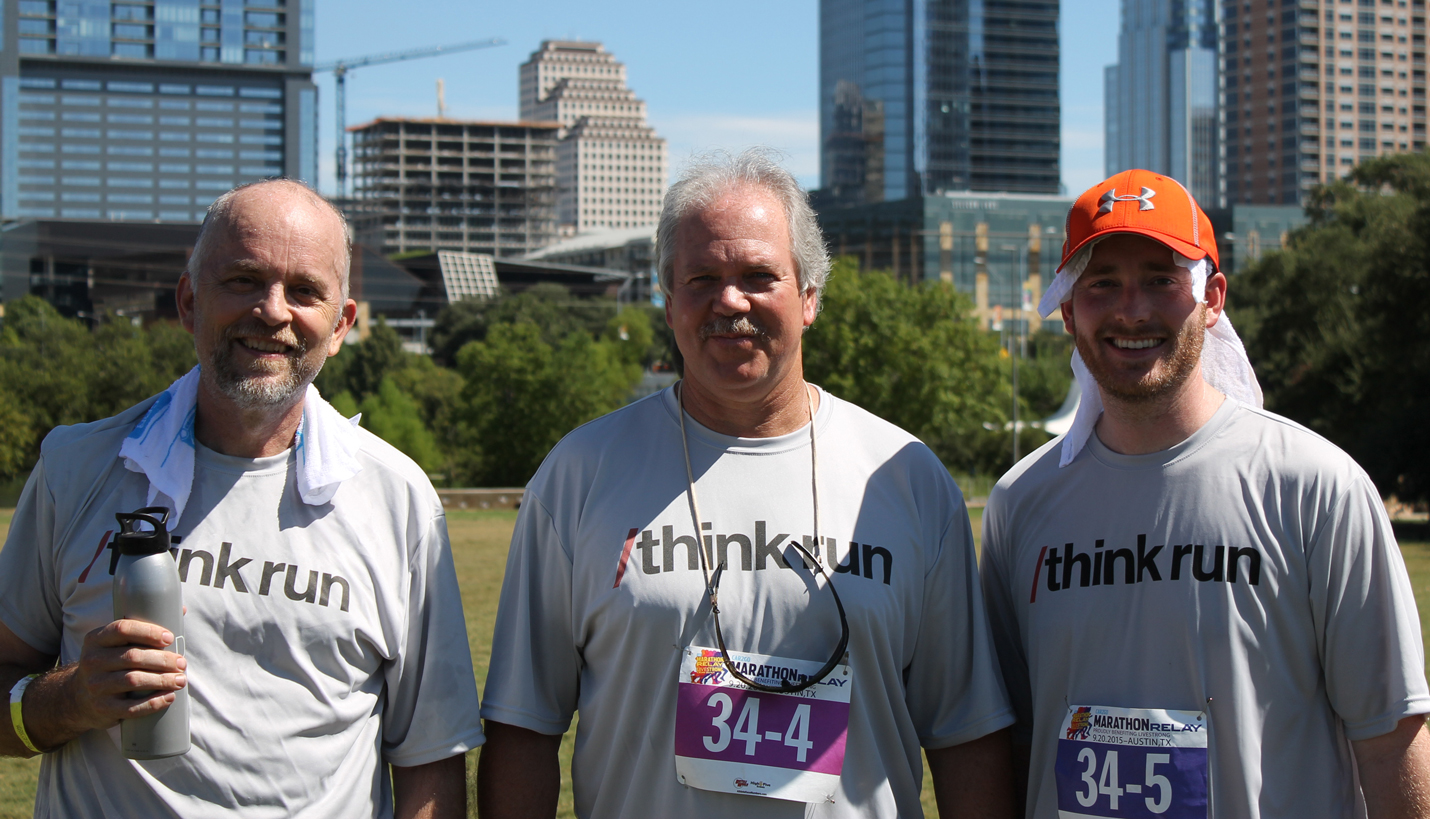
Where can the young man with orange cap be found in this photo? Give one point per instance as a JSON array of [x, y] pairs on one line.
[[1199, 606]]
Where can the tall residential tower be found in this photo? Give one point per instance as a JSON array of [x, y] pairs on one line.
[[928, 96], [148, 109], [1161, 96], [611, 166], [1310, 90]]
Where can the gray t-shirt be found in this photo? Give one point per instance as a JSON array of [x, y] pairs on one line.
[[322, 640], [1248, 574], [603, 590]]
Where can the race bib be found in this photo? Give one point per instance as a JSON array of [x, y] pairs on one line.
[[1132, 762], [734, 739]]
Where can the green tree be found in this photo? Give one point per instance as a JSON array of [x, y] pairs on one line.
[[523, 394], [551, 308], [458, 324], [1337, 324], [1044, 376], [393, 416], [374, 358], [17, 437], [55, 370], [344, 403], [914, 357]]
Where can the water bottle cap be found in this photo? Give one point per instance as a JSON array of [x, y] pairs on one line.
[[134, 541]]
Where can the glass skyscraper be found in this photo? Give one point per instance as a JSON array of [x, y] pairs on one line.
[[148, 109], [1161, 96], [921, 97]]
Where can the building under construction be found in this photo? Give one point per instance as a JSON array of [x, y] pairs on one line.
[[443, 184]]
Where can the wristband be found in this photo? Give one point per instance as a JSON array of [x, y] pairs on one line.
[[17, 695]]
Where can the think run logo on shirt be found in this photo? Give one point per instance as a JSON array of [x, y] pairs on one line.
[[1059, 569], [224, 571], [662, 554]]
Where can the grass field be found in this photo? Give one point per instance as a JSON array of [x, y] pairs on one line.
[[479, 545]]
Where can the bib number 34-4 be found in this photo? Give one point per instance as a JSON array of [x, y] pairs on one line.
[[731, 738], [1132, 763]]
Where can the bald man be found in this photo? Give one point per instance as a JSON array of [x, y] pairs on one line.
[[324, 631]]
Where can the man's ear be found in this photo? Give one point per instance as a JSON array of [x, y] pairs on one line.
[[1216, 297], [1067, 311], [184, 297], [811, 306], [346, 320]]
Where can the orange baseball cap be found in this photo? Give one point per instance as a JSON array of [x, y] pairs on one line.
[[1146, 203]]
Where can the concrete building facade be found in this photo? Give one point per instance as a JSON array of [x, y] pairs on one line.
[[921, 97], [148, 109], [1161, 96], [611, 166], [1311, 89], [441, 184]]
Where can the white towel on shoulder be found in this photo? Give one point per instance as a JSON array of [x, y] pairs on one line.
[[161, 446]]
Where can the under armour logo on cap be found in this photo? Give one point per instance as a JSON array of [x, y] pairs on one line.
[[1144, 200], [1174, 220]]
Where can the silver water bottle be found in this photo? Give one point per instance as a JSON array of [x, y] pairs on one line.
[[146, 587]]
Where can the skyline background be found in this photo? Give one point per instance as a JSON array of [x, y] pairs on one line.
[[745, 76]]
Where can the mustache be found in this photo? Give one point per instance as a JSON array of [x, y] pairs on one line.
[[731, 326]]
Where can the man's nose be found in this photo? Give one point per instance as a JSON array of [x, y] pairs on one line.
[[273, 307], [1133, 303], [732, 299]]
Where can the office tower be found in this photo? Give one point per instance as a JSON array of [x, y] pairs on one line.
[[927, 96], [1310, 90], [148, 109], [1160, 99], [442, 184], [611, 167]]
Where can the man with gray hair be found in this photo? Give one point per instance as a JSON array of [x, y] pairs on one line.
[[324, 637], [761, 599]]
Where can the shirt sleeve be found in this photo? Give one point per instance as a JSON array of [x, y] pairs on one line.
[[533, 680], [1366, 619], [431, 711], [30, 603], [954, 691], [1003, 619]]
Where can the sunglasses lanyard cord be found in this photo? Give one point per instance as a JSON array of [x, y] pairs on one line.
[[712, 582]]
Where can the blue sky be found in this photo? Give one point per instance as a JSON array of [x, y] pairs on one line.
[[725, 75]]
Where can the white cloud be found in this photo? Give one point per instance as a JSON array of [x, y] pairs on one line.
[[796, 135]]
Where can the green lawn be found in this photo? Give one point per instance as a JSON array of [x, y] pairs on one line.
[[479, 544]]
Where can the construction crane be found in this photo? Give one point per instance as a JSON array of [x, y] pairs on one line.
[[340, 69]]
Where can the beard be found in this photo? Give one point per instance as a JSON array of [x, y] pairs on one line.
[[264, 384], [726, 325], [1182, 352]]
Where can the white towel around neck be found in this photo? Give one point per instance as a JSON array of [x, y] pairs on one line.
[[162, 447]]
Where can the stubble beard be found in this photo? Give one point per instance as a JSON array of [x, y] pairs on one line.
[[1171, 371], [257, 387]]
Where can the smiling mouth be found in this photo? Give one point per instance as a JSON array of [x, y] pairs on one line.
[[259, 345], [1137, 343]]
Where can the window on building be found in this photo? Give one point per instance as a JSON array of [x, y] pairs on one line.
[[133, 50]]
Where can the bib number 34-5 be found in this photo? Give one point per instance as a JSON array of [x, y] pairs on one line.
[[731, 738], [1132, 763]]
